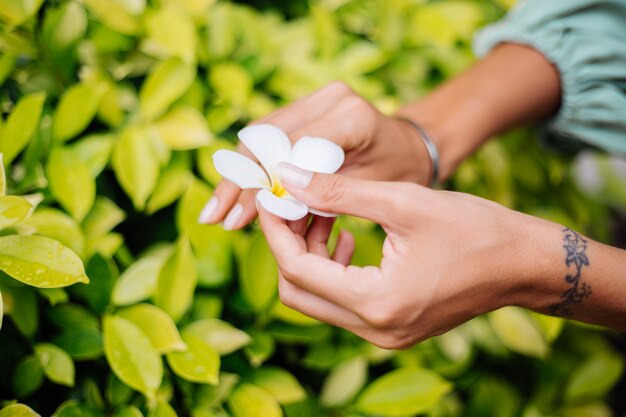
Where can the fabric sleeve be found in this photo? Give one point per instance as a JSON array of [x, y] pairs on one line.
[[586, 40]]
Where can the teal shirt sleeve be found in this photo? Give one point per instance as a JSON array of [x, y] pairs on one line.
[[586, 40]]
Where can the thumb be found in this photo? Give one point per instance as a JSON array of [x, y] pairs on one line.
[[339, 194]]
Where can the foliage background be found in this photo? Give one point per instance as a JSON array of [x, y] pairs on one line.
[[109, 113]]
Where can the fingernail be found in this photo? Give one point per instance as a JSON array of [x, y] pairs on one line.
[[207, 213], [294, 176], [232, 220]]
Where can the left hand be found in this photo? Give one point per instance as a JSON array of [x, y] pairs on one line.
[[447, 258]]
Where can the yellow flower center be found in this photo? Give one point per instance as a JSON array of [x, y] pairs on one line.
[[277, 188]]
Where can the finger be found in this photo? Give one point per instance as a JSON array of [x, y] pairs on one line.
[[318, 234], [224, 197], [340, 194], [344, 250], [242, 212], [299, 227], [314, 273], [317, 307]]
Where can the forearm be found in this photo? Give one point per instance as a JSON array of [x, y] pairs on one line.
[[572, 276], [513, 85]]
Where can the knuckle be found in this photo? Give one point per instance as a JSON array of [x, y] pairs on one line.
[[338, 87], [332, 191], [286, 293], [393, 341]]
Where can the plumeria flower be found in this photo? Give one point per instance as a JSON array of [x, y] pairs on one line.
[[271, 146]]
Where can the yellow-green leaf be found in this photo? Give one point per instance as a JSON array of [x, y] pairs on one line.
[[57, 225], [173, 182], [21, 125], [115, 15], [251, 401], [259, 275], [518, 332], [136, 164], [95, 151], [3, 174], [223, 336], [184, 128], [77, 108], [289, 315], [594, 377], [205, 160], [56, 363], [18, 410], [12, 210], [1, 310], [344, 382], [131, 355], [403, 392], [200, 363], [170, 33], [177, 281], [71, 182], [280, 384], [231, 82], [157, 325], [169, 80], [102, 218], [163, 409], [139, 281], [40, 261], [28, 376], [16, 12]]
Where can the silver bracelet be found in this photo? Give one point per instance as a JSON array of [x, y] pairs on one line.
[[430, 147]]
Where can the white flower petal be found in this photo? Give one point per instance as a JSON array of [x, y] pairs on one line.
[[322, 213], [269, 144], [317, 155], [286, 207], [242, 171]]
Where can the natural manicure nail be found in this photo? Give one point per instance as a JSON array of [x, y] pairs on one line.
[[294, 176], [233, 218], [208, 212]]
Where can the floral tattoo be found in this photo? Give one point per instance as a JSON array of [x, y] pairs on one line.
[[575, 247]]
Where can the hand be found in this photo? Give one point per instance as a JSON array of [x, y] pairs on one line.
[[447, 258], [376, 147]]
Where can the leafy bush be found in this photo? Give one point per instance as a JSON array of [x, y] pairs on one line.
[[109, 113]]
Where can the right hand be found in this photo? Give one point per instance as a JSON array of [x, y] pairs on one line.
[[377, 147]]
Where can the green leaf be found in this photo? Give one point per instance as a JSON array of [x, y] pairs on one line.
[[18, 410], [40, 261], [71, 182], [64, 26], [170, 33], [250, 401], [127, 411], [259, 275], [200, 363], [56, 363], [280, 384], [157, 325], [344, 382], [205, 160], [3, 173], [12, 210], [131, 355], [222, 336], [139, 281], [21, 125], [82, 343], [163, 409], [7, 65], [516, 330], [165, 84], [54, 295], [57, 225], [594, 377], [184, 128], [136, 164], [73, 408], [76, 110], [102, 218], [289, 315], [28, 376], [261, 348], [20, 303], [73, 316], [550, 326], [215, 395], [1, 310], [103, 273], [402, 392], [177, 281]]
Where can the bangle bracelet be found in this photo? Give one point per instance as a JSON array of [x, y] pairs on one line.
[[430, 147]]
